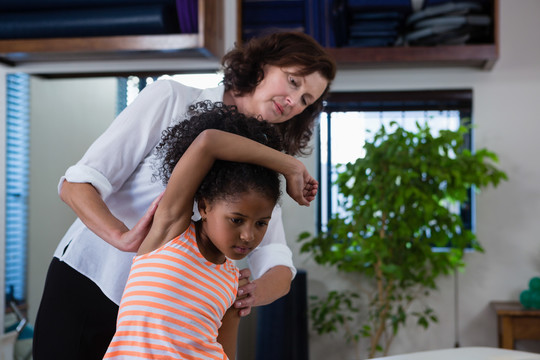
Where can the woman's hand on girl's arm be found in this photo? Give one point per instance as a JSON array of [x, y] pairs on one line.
[[246, 290], [271, 286]]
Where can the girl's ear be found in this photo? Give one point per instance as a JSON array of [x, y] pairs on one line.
[[203, 207]]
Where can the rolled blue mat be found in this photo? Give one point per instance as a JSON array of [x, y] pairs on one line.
[[34, 5], [129, 20], [273, 12]]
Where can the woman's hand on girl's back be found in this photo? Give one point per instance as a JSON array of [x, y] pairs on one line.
[[133, 238]]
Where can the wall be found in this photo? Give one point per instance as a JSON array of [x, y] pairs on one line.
[[67, 115], [505, 111], [506, 114]]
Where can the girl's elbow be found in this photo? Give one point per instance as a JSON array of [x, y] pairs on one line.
[[206, 137], [206, 140]]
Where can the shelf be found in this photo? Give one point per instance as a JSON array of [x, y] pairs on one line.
[[209, 42], [481, 56]]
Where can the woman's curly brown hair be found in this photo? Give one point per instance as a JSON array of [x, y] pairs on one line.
[[243, 69], [225, 178]]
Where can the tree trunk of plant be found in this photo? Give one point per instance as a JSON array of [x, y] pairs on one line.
[[383, 304]]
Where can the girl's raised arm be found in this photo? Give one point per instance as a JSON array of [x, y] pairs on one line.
[[174, 211], [301, 186]]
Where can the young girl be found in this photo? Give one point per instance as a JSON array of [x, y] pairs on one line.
[[179, 290]]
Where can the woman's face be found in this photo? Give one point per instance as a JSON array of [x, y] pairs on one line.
[[281, 95]]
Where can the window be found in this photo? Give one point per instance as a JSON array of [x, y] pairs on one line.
[[129, 88], [351, 119]]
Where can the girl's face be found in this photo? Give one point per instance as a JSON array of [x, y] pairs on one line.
[[281, 95], [233, 227]]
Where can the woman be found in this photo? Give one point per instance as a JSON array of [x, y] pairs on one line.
[[281, 78]]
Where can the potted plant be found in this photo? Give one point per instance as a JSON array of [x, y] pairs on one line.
[[396, 211]]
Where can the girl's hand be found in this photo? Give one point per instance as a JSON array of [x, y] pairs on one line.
[[301, 186], [310, 189]]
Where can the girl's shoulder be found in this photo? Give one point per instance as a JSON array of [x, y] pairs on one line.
[[186, 242], [188, 237]]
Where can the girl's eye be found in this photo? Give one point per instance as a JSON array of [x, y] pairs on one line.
[[304, 102], [236, 221], [262, 223]]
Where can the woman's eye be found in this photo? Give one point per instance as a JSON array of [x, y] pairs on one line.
[[236, 221], [304, 101], [262, 223], [293, 81]]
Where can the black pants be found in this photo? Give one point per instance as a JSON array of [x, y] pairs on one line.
[[75, 320]]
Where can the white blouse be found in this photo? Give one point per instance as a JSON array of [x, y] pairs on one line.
[[120, 164]]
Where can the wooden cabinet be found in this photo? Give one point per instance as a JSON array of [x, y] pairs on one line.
[[209, 41], [515, 323]]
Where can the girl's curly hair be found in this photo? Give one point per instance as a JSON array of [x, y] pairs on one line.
[[243, 69], [225, 178]]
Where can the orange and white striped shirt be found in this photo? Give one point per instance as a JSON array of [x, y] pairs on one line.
[[173, 304]]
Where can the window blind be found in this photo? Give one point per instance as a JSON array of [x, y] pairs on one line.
[[17, 167], [121, 94]]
